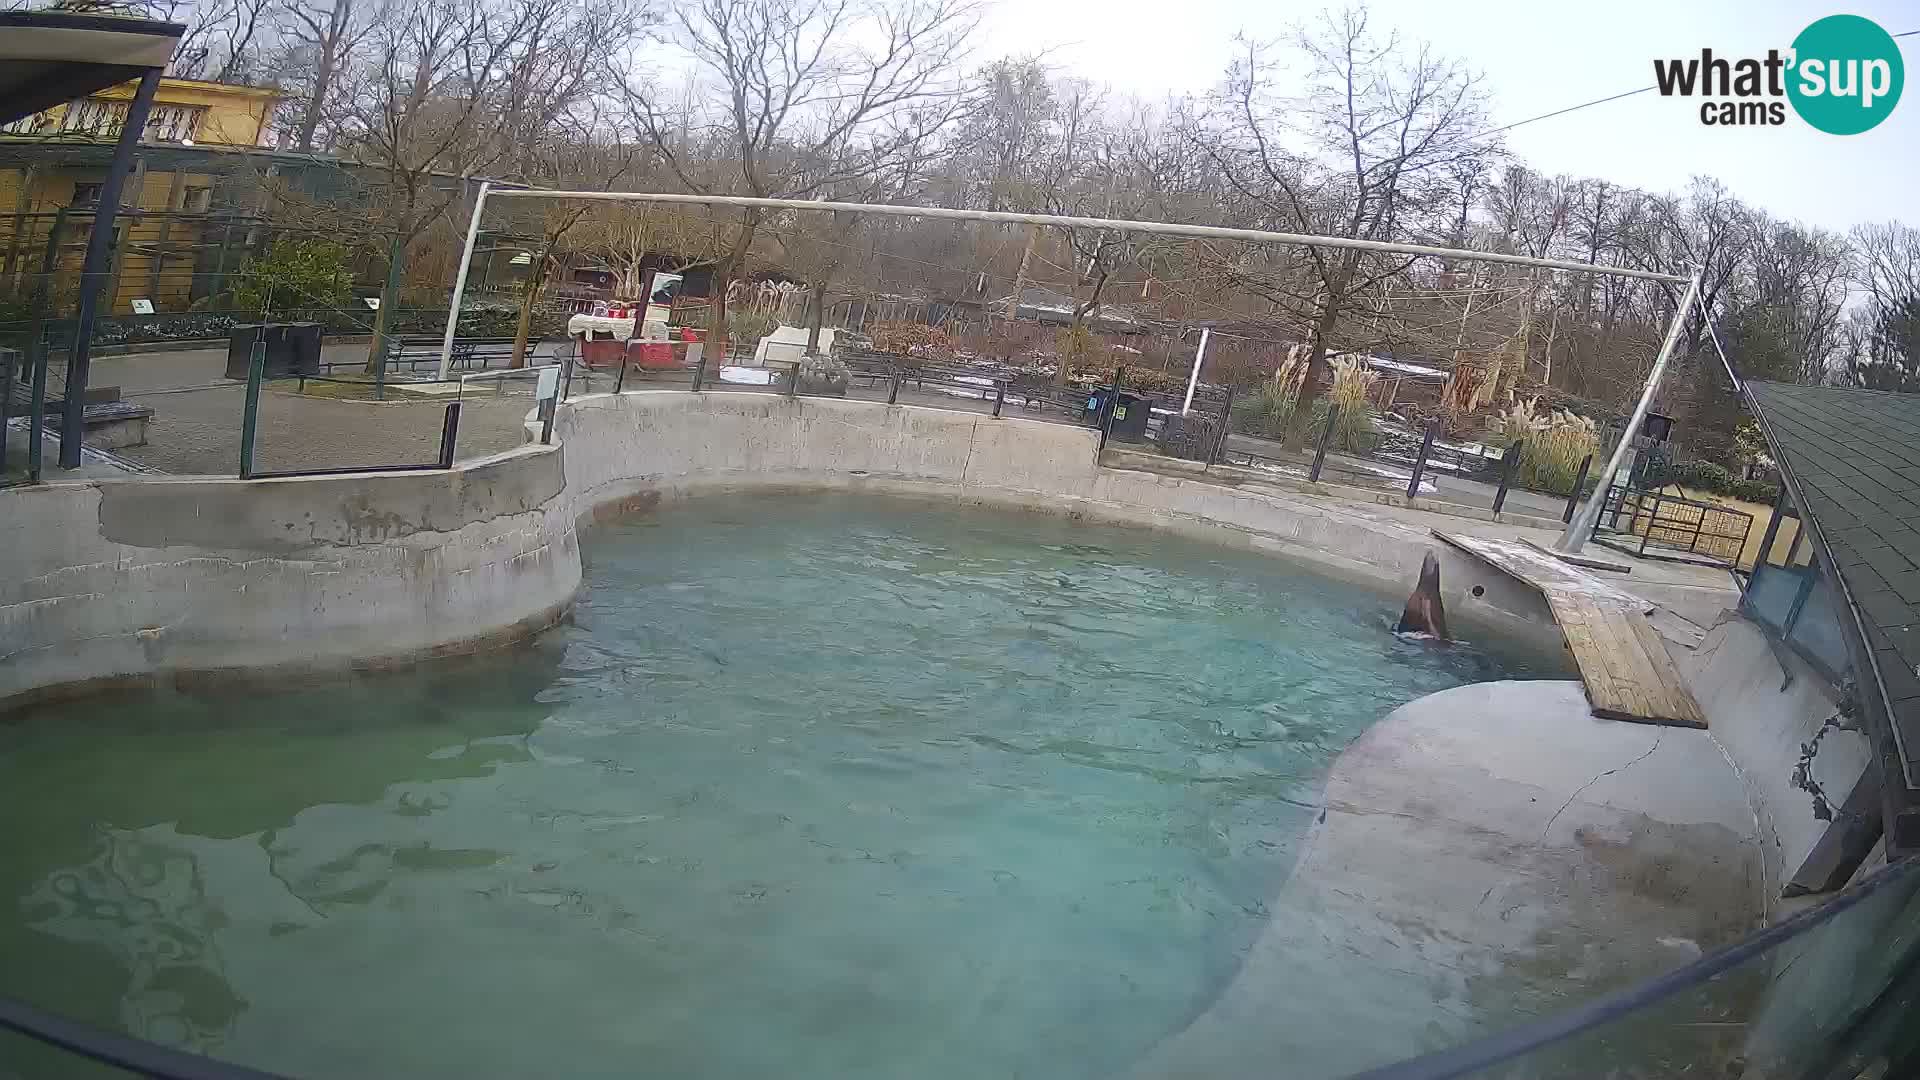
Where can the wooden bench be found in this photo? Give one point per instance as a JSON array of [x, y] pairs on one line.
[[413, 351], [1624, 665], [107, 423]]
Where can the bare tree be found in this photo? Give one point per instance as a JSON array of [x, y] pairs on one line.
[[322, 39], [800, 97], [1385, 133]]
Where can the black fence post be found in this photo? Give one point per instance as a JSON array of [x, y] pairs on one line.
[[700, 369], [1420, 462], [449, 433], [1507, 462], [1112, 405], [250, 412], [11, 360], [566, 380], [793, 380], [893, 386], [1580, 481], [620, 380], [999, 396], [1226, 431], [1326, 436], [37, 419]]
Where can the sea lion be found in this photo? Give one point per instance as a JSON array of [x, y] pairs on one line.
[[1424, 613]]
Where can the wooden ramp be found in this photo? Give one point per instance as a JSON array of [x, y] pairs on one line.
[[1625, 666]]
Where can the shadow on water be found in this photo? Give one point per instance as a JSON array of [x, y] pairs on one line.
[[142, 829]]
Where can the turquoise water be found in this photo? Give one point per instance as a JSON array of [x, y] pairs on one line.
[[811, 786]]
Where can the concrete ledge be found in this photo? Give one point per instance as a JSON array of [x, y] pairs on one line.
[[1485, 854], [118, 582]]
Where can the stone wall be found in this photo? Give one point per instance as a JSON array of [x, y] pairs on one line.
[[126, 581]]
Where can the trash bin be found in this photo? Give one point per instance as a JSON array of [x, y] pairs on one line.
[[1129, 414], [292, 349]]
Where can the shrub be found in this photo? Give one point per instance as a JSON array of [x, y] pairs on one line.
[[295, 273], [1552, 443], [1711, 477], [911, 339]]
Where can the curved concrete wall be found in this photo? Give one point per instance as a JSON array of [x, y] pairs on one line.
[[1769, 720], [125, 581], [119, 581], [632, 449]]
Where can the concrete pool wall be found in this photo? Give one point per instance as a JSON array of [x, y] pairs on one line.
[[634, 449], [118, 582]]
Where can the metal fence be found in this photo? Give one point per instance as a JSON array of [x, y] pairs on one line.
[[1656, 525]]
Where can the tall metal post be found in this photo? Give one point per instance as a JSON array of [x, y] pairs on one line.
[[1193, 378], [460, 279], [1583, 523], [94, 272], [1420, 463], [1579, 482], [1320, 451], [1507, 462], [250, 412]]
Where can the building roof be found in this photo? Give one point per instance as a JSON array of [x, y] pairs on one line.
[[51, 57], [1852, 461]]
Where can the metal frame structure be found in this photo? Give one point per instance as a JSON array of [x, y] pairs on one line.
[[1570, 541]]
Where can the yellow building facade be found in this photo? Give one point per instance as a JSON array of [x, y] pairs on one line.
[[174, 229]]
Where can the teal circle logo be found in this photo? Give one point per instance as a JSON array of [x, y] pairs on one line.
[[1847, 74]]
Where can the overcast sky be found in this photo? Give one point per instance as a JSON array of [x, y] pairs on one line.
[[1537, 56]]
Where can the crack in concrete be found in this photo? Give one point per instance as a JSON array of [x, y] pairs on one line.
[[1661, 734]]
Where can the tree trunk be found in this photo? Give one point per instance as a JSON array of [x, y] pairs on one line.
[[396, 264], [722, 280], [1080, 313], [310, 116], [817, 315], [536, 278], [1020, 276], [1311, 388]]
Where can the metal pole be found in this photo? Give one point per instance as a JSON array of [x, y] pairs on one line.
[[700, 369], [1161, 228], [11, 360], [1507, 462], [1112, 405], [250, 412], [1193, 379], [37, 421], [1420, 463], [999, 396], [893, 386], [1226, 429], [1579, 482], [1320, 452], [460, 279], [449, 434], [1582, 525], [96, 269]]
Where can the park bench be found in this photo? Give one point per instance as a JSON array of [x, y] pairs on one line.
[[413, 351]]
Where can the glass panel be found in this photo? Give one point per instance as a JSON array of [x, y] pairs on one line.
[[1818, 630], [1771, 593], [1832, 1001]]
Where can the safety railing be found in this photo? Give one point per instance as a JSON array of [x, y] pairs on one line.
[[1655, 525]]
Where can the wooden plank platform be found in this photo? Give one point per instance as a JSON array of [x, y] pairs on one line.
[[1624, 664]]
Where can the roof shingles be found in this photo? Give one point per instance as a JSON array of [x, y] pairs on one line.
[[1854, 457]]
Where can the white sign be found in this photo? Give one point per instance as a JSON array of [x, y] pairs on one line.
[[143, 306], [549, 384], [373, 302]]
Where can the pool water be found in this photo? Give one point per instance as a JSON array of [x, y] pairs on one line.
[[819, 786]]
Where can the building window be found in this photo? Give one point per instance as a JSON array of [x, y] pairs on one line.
[[1793, 596], [103, 118], [85, 194], [173, 123], [196, 199]]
